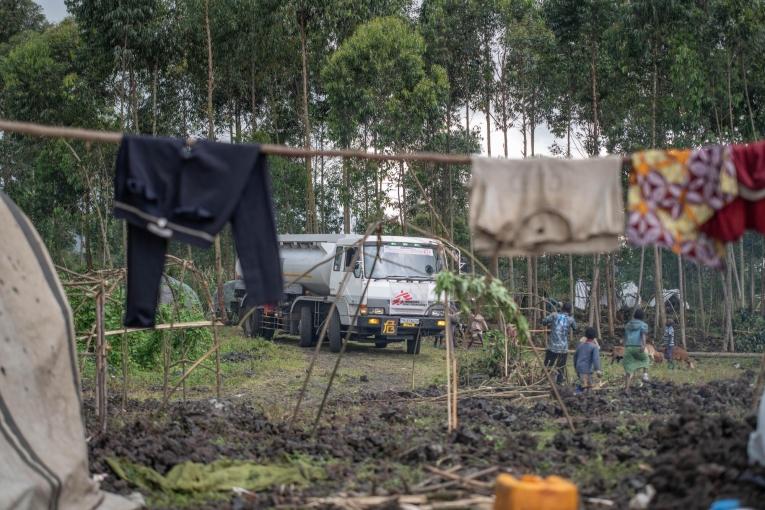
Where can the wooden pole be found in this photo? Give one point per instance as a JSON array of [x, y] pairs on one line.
[[125, 374], [450, 425], [101, 360], [92, 135], [165, 365]]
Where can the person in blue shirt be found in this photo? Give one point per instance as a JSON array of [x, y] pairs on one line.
[[669, 342], [587, 359], [561, 324], [635, 357]]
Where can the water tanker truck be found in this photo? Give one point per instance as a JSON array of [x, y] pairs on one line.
[[400, 303]]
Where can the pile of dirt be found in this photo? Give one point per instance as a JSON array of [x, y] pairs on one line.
[[702, 458], [623, 441]]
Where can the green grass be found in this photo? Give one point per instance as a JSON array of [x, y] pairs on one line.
[[272, 375], [596, 469], [706, 370]]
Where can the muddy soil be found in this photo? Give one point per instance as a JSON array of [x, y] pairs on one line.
[[689, 442]]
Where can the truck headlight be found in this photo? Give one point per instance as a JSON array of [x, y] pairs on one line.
[[376, 311], [441, 323]]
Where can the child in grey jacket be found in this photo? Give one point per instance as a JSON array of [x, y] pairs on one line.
[[587, 359]]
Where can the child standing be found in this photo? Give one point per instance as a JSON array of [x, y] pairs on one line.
[[635, 357], [587, 359], [669, 342]]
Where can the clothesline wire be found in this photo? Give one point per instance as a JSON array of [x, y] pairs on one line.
[[92, 135]]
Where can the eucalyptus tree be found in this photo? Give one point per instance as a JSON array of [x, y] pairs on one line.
[[380, 91]]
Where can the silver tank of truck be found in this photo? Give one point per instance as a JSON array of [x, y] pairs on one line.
[[304, 253]]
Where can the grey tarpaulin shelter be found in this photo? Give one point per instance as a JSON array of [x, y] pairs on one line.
[[43, 456]]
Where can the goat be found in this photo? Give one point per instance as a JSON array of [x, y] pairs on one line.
[[680, 354]]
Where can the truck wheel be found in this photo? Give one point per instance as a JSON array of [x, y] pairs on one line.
[[294, 323], [381, 344], [413, 346], [334, 333], [306, 327]]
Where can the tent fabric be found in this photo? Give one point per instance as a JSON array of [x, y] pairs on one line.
[[42, 444], [626, 297], [671, 296], [756, 445]]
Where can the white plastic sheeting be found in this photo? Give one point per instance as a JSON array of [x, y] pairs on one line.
[[756, 448], [669, 295], [626, 296]]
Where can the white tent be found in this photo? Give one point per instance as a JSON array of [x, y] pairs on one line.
[[671, 296], [43, 456], [626, 296], [581, 295]]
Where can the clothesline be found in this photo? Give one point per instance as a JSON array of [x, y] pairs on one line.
[[92, 135]]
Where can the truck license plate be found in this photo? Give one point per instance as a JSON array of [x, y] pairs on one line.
[[389, 327], [409, 323]]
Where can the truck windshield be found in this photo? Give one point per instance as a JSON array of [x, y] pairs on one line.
[[399, 260]]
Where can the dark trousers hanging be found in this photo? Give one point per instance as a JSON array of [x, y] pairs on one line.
[[166, 190]]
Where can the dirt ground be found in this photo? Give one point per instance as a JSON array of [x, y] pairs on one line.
[[379, 436]]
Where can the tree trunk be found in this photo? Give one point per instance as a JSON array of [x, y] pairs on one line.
[[134, 100], [310, 217], [701, 304], [506, 149], [594, 296], [238, 121], [154, 101], [729, 303], [594, 290], [523, 131], [742, 274], [762, 282], [594, 80], [611, 290], [660, 318], [530, 289], [346, 197], [730, 97], [488, 121], [402, 199], [533, 120], [571, 285], [639, 301], [211, 136], [681, 283], [449, 169], [724, 284], [511, 276], [751, 279], [748, 103], [253, 101], [735, 276]]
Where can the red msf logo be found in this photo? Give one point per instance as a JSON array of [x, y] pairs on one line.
[[401, 298]]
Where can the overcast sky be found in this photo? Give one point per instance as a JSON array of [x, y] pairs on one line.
[[54, 10]]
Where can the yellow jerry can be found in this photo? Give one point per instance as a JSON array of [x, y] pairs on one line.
[[532, 492]]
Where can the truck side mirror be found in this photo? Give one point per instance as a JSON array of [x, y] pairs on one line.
[[357, 269]]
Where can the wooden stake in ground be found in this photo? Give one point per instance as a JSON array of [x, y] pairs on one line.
[[450, 403], [553, 386], [101, 369]]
